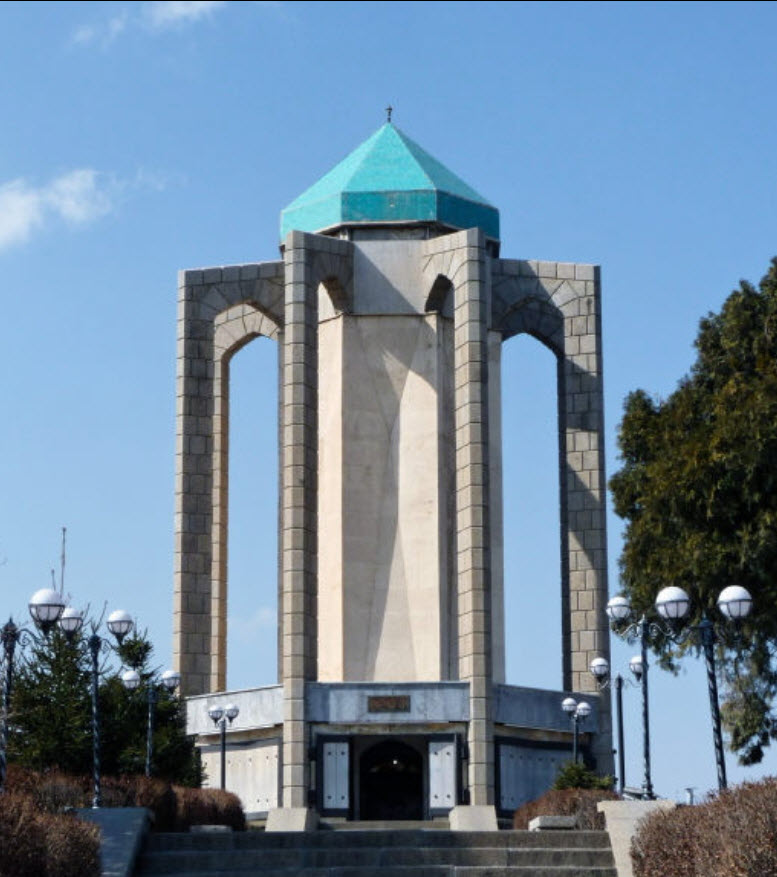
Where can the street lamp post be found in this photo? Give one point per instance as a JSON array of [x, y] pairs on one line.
[[734, 604], [619, 612], [119, 624], [131, 680], [600, 669], [578, 713], [46, 607], [220, 717]]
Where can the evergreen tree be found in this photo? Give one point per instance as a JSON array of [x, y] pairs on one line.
[[51, 707], [698, 491], [51, 722]]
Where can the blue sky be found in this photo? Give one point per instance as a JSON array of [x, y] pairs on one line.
[[141, 138]]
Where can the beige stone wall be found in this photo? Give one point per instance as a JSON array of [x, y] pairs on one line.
[[383, 543]]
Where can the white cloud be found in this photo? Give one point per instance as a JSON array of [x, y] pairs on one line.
[[21, 212], [102, 34], [164, 14], [156, 16], [81, 195], [77, 197]]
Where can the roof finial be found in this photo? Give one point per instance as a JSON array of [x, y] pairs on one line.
[[389, 111]]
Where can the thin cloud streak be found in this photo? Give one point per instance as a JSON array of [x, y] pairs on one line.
[[76, 198], [155, 17], [165, 14]]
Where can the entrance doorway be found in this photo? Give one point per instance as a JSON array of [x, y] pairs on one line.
[[391, 780]]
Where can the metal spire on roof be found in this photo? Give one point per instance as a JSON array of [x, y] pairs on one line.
[[389, 111]]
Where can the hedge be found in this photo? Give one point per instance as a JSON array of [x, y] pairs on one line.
[[732, 834]]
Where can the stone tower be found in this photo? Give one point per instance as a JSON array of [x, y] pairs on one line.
[[390, 307]]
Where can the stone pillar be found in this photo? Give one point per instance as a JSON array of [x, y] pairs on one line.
[[559, 304], [583, 506], [219, 310], [471, 354], [581, 424], [194, 485], [298, 533]]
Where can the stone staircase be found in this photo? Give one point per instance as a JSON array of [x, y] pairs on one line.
[[393, 853]]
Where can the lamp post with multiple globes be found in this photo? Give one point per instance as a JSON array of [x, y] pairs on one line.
[[220, 716], [578, 713], [673, 605], [47, 609], [169, 679]]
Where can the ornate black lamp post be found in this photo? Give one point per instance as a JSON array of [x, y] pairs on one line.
[[673, 604], [600, 669], [170, 680], [119, 624], [578, 713], [220, 716], [46, 607], [734, 604], [619, 612]]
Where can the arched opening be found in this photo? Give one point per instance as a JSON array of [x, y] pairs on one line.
[[252, 651], [391, 780], [532, 552]]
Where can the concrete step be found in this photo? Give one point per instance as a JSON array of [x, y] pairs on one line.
[[435, 871], [375, 857], [440, 824], [360, 853], [353, 839]]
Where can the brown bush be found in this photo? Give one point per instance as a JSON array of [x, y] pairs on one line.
[[141, 791], [566, 802], [174, 808], [733, 834], [207, 807], [44, 844]]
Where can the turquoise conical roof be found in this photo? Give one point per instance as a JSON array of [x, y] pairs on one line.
[[389, 179]]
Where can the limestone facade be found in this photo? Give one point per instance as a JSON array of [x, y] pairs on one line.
[[390, 520]]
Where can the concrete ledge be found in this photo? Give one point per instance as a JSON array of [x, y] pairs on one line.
[[122, 830], [291, 819], [622, 819], [473, 817], [553, 823], [210, 829]]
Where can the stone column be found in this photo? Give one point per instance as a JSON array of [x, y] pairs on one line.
[[219, 310], [583, 511], [471, 354], [298, 533], [194, 485], [582, 473]]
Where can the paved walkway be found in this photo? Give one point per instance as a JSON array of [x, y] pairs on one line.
[[122, 830]]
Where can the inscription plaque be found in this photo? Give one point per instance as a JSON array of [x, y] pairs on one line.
[[389, 703]]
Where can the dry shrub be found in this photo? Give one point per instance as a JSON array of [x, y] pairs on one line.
[[141, 791], [566, 802], [44, 844], [174, 808], [733, 834], [72, 847], [666, 843], [208, 807], [51, 790]]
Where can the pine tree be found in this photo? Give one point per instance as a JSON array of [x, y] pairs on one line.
[[698, 491], [51, 708], [51, 719]]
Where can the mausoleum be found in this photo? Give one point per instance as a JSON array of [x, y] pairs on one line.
[[390, 305]]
